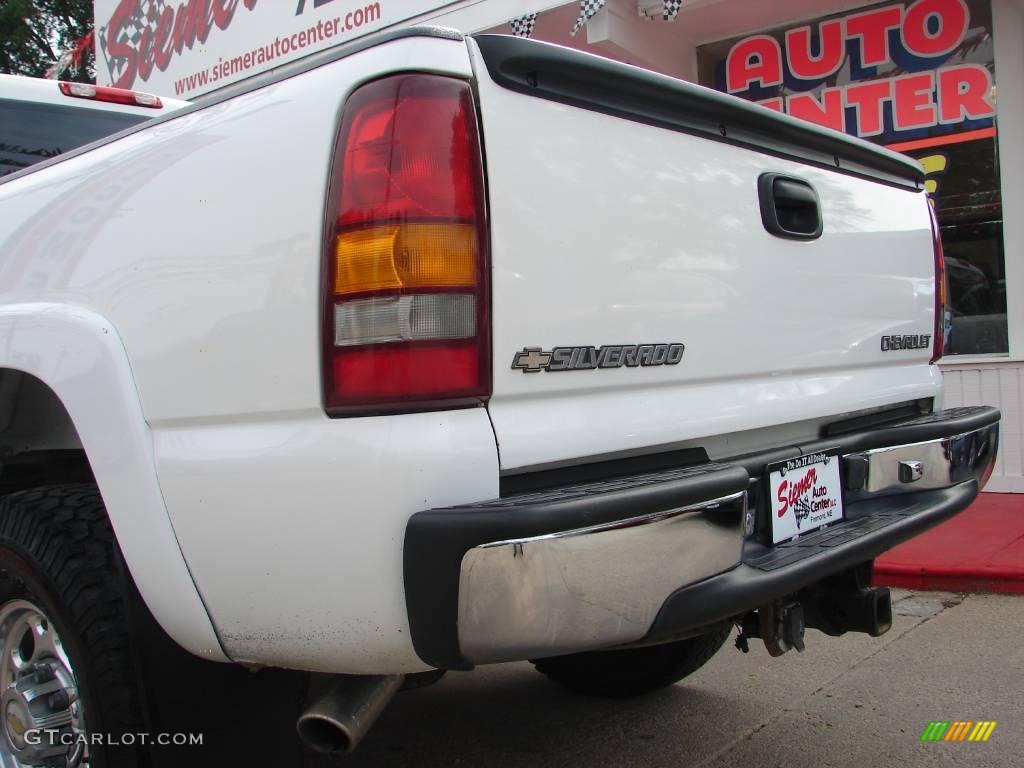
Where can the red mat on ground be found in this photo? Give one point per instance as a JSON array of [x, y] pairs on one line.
[[979, 550]]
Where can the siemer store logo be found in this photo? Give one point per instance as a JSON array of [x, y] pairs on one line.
[[188, 47]]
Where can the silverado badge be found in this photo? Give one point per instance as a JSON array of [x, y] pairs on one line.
[[535, 359]]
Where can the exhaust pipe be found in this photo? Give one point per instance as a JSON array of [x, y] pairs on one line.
[[339, 720]]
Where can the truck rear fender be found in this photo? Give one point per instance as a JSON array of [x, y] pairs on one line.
[[79, 356]]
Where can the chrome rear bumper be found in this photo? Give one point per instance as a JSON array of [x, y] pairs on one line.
[[590, 587], [926, 465], [678, 562]]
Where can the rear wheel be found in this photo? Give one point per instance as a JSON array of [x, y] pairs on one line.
[[635, 671], [66, 668], [82, 654]]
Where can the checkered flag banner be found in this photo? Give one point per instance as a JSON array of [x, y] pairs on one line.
[[145, 14], [523, 26], [587, 10], [671, 9]]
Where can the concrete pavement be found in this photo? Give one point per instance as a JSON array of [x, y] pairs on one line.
[[846, 702]]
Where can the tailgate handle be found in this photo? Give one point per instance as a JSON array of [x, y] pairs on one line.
[[789, 207]]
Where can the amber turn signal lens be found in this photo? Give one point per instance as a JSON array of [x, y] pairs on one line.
[[406, 256]]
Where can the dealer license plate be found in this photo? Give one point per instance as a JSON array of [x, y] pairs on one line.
[[806, 494]]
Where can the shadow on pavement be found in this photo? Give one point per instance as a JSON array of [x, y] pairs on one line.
[[511, 715]]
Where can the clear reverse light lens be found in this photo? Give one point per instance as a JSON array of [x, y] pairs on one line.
[[82, 89], [420, 317]]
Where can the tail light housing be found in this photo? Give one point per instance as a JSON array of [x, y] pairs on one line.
[[110, 95], [406, 324], [943, 310]]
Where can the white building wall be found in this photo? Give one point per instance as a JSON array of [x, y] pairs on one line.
[[1000, 385]]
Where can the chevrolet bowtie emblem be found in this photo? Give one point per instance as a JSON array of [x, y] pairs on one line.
[[531, 360]]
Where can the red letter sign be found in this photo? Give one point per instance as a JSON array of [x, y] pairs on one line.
[[914, 102], [952, 19], [798, 48], [868, 98], [873, 30], [828, 112], [121, 19], [754, 59], [963, 94]]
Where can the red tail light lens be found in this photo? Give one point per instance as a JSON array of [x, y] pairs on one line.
[[406, 323], [943, 310]]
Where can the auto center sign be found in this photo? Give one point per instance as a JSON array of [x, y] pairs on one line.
[[889, 72], [183, 48]]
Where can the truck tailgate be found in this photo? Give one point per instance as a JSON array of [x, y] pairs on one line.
[[626, 214]]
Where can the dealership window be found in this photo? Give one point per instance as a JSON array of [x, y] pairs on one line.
[[916, 76], [965, 177]]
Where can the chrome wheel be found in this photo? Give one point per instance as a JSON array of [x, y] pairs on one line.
[[43, 722]]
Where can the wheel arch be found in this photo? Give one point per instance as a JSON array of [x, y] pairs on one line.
[[38, 441], [67, 365]]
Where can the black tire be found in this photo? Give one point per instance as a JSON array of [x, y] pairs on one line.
[[57, 551], [636, 671]]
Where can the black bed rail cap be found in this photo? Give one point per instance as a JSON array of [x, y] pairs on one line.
[[599, 84]]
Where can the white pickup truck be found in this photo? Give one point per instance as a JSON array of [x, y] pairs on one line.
[[435, 351]]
